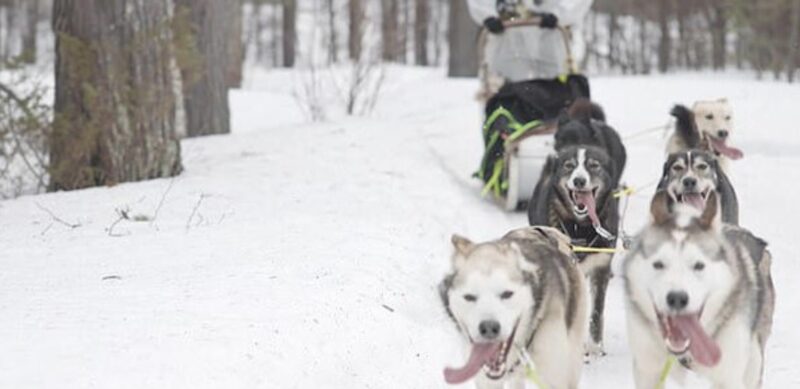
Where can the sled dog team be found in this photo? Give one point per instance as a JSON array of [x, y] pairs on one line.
[[698, 290]]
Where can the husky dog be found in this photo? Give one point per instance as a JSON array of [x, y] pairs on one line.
[[689, 177], [513, 297], [575, 195], [701, 291], [708, 126]]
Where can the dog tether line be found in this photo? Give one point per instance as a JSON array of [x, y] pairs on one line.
[[662, 379], [530, 369]]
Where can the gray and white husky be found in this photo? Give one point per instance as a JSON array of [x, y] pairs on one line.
[[519, 296], [701, 291]]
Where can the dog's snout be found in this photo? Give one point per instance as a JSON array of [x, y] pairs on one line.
[[677, 300], [579, 182], [489, 329], [689, 182], [722, 133]]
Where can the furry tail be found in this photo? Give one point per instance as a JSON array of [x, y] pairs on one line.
[[584, 109], [685, 126]]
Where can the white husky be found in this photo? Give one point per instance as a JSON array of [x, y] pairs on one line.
[[521, 295], [707, 126], [699, 291]]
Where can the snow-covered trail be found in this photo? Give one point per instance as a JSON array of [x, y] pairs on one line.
[[307, 255]]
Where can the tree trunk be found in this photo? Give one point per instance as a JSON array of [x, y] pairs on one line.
[[421, 22], [718, 22], [355, 10], [389, 27], [30, 13], [289, 32], [235, 45], [665, 41], [204, 68], [792, 60], [462, 37], [333, 41], [114, 103]]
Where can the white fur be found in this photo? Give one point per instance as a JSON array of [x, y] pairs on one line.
[[721, 113], [557, 351], [579, 172], [740, 365]]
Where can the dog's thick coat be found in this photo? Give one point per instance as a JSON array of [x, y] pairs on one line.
[[701, 291], [707, 126], [526, 289], [690, 176], [589, 153]]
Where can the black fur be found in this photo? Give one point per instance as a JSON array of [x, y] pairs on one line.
[[685, 126], [584, 125]]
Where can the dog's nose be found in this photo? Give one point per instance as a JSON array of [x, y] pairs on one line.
[[722, 133], [677, 300], [689, 182], [489, 329], [579, 182]]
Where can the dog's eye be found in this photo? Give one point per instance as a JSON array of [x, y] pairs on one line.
[[702, 166], [728, 118], [470, 297], [658, 265], [699, 266], [506, 295], [710, 117], [677, 168], [593, 165], [569, 165]]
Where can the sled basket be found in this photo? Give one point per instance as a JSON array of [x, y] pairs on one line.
[[517, 135]]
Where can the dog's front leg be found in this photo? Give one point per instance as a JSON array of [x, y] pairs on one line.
[[598, 280]]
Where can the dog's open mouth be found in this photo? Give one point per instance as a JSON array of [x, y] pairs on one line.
[[583, 202], [695, 199], [683, 333], [720, 146], [489, 356]]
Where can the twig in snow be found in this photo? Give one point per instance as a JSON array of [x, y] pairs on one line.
[[58, 219], [194, 211], [161, 202], [388, 308], [122, 214]]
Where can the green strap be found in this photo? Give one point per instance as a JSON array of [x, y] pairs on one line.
[[662, 379], [532, 375], [494, 181]]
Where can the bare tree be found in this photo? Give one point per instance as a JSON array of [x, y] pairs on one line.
[[462, 37], [205, 66], [792, 60], [235, 45], [389, 30], [114, 103], [289, 32], [29, 13], [333, 41], [421, 23], [665, 41], [355, 10]]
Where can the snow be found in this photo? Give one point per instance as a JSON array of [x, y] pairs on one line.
[[305, 255]]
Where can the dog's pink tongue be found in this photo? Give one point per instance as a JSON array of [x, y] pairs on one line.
[[724, 149], [481, 352], [587, 200], [695, 200], [704, 350]]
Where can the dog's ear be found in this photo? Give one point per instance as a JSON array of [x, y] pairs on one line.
[[709, 217], [462, 245], [659, 208], [723, 100], [523, 263]]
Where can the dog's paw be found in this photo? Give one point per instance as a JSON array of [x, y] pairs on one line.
[[592, 351]]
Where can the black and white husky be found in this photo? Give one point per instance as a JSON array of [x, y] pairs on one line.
[[707, 126], [517, 297], [689, 177], [575, 195], [701, 291]]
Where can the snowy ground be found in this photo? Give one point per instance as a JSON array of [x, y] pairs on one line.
[[300, 255]]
